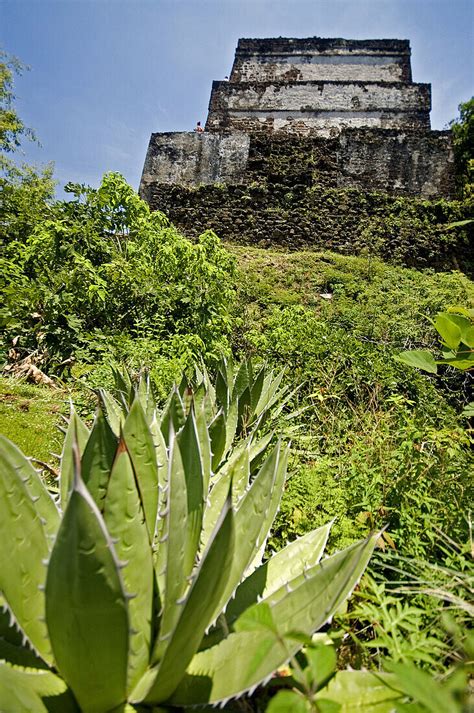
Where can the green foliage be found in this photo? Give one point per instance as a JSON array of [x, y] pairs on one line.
[[12, 128], [27, 196], [456, 330], [103, 270], [151, 538], [463, 141]]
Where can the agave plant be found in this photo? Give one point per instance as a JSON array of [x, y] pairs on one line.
[[138, 584]]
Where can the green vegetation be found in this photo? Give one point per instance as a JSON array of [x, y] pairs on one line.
[[154, 536], [104, 278], [323, 346], [463, 139], [29, 416]]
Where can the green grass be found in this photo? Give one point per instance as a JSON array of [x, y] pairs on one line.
[[30, 415]]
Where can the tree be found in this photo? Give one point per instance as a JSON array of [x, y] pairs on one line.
[[12, 128], [463, 142]]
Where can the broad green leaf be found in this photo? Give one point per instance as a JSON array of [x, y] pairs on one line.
[[22, 691], [420, 359], [23, 553], [322, 661], [466, 327], [79, 433], [189, 445], [467, 336], [206, 588], [86, 608], [170, 559], [97, 459], [223, 670], [362, 691], [450, 333], [288, 701], [141, 448], [124, 518], [423, 688], [44, 504]]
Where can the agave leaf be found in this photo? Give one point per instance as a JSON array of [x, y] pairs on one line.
[[204, 446], [159, 542], [24, 548], [76, 431], [124, 518], [188, 441], [162, 466], [284, 566], [217, 434], [114, 411], [44, 504], [173, 414], [270, 393], [235, 471], [256, 389], [123, 382], [245, 658], [141, 448], [22, 690], [202, 400], [241, 381], [222, 391], [86, 608], [170, 559], [205, 591], [97, 459], [231, 423], [13, 648], [248, 525], [270, 514]]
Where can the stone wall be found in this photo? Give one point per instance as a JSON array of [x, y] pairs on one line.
[[317, 107], [192, 158], [321, 59], [346, 220], [404, 163]]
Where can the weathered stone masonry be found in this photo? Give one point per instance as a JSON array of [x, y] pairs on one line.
[[302, 115]]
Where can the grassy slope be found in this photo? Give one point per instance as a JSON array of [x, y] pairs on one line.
[[29, 416], [378, 436]]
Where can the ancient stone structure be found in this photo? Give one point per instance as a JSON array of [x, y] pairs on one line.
[[302, 115]]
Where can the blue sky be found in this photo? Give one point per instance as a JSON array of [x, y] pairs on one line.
[[106, 73]]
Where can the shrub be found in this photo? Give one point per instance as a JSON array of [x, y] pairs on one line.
[[103, 266]]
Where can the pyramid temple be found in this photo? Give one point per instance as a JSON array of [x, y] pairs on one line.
[[299, 115]]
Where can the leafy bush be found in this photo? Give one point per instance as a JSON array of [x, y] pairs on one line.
[[103, 268], [463, 141]]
